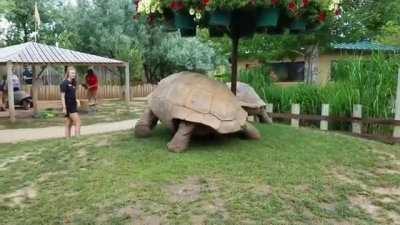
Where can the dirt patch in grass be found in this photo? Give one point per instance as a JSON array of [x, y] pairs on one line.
[[198, 219], [139, 216], [4, 163], [387, 171], [391, 191], [188, 191], [103, 143], [343, 177], [365, 204], [263, 190], [19, 197], [394, 217]]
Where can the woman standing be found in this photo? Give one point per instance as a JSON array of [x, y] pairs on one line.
[[69, 102]]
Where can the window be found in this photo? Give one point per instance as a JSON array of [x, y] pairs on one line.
[[288, 71]]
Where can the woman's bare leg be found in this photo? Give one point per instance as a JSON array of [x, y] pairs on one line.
[[68, 125], [76, 121]]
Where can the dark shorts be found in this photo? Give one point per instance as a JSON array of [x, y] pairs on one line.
[[71, 108]]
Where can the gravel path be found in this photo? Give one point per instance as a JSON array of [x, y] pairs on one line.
[[18, 135]]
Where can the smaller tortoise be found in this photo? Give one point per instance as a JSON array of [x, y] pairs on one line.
[[251, 102], [193, 104]]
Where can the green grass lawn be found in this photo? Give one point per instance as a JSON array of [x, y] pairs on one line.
[[292, 176], [107, 111]]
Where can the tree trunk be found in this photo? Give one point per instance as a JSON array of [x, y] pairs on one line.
[[311, 65]]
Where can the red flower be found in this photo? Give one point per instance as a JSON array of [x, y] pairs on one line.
[[322, 17], [177, 5], [306, 3], [205, 2], [274, 2], [292, 6]]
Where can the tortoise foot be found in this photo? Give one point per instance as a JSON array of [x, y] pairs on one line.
[[181, 139], [251, 132]]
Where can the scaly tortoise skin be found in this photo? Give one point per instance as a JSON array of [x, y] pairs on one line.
[[191, 103], [251, 102]]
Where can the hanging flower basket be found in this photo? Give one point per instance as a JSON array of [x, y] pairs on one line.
[[268, 17], [184, 21], [220, 18], [298, 26]]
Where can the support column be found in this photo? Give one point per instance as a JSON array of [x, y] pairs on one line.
[[127, 86], [10, 89], [35, 90], [396, 132]]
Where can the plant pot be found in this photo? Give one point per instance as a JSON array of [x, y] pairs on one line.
[[220, 18], [216, 31], [268, 17], [298, 26], [188, 32], [183, 20]]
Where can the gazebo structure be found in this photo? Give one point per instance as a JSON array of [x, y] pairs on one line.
[[39, 56]]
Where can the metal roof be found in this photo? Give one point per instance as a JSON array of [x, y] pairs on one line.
[[366, 46], [35, 53]]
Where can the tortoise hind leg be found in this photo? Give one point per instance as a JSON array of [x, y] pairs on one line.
[[251, 132], [146, 123], [181, 139]]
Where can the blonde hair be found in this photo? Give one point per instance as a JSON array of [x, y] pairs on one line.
[[67, 71]]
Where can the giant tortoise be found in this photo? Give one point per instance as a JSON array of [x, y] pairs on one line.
[[251, 102], [192, 104]]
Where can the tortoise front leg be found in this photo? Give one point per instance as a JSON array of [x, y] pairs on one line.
[[264, 117], [251, 132], [146, 123], [181, 139]]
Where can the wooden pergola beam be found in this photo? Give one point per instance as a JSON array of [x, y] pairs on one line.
[[127, 86], [10, 91]]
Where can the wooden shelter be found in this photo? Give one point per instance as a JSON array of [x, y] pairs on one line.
[[39, 56]]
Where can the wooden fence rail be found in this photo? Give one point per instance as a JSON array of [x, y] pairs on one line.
[[357, 121], [52, 92]]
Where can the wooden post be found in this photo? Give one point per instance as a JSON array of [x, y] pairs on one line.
[[396, 132], [10, 89], [295, 111], [35, 90], [270, 109], [357, 114], [127, 90], [324, 125]]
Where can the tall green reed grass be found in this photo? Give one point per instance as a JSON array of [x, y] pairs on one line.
[[369, 81]]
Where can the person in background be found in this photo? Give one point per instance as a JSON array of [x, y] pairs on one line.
[[15, 83], [2, 93], [70, 103], [27, 75], [92, 85]]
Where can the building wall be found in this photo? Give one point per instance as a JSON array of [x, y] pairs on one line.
[[325, 65]]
